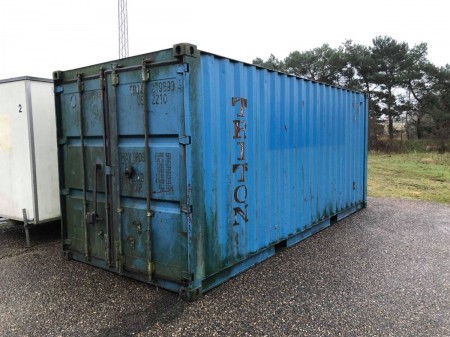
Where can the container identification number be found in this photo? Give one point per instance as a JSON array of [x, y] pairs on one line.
[[163, 86], [160, 91], [159, 99]]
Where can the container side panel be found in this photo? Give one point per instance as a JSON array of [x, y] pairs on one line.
[[15, 169], [281, 156], [216, 189], [333, 142], [308, 198], [45, 147]]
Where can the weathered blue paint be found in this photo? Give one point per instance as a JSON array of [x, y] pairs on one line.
[[242, 161]]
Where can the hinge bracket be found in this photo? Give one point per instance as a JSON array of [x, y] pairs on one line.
[[80, 83], [187, 276], [64, 191], [114, 76], [108, 170], [151, 268], [115, 79], [101, 78], [186, 208], [59, 89], [145, 72], [185, 140], [62, 141], [182, 68]]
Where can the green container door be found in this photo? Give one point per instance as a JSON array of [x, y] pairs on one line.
[[122, 163]]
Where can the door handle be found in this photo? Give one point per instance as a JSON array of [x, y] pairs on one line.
[[92, 217]]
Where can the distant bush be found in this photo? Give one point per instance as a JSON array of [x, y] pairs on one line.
[[383, 144]]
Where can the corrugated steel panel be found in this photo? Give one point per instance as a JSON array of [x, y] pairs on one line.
[[240, 161], [293, 158]]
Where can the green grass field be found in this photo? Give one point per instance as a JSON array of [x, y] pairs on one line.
[[422, 176]]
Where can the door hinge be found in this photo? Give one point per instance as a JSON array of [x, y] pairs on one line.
[[187, 276], [59, 89], [182, 68], [114, 77], [108, 171], [186, 208], [80, 83], [185, 140], [64, 191], [151, 268], [101, 78], [145, 72], [62, 141], [120, 259]]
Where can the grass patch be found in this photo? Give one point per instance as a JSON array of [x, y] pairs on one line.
[[421, 176]]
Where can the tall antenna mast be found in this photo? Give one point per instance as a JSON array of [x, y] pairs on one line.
[[123, 29]]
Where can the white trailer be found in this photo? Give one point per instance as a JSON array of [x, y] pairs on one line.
[[28, 151]]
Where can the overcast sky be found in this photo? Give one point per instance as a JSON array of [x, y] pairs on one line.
[[40, 36]]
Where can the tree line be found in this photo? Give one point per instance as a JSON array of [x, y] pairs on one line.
[[398, 80]]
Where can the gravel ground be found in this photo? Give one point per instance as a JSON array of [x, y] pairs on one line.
[[384, 271]]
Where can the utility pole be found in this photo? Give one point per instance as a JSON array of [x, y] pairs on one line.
[[123, 29]]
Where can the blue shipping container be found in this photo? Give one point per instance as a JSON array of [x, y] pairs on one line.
[[182, 168]]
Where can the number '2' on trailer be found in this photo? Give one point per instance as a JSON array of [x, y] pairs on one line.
[[182, 168]]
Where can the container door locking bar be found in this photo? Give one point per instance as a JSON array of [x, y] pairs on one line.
[[145, 77], [92, 217], [80, 87]]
